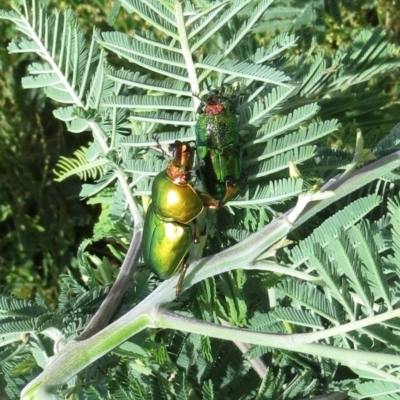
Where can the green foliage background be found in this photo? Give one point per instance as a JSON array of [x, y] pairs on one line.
[[46, 227], [43, 224]]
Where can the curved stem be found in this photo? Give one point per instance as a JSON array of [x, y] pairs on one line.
[[77, 355], [348, 184], [114, 296], [297, 342]]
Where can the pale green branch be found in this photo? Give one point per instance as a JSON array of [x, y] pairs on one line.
[[236, 7], [186, 52], [76, 356], [297, 342]]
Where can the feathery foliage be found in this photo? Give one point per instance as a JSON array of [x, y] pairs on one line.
[[330, 287]]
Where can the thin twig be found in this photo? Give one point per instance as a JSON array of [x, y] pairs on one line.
[[114, 296]]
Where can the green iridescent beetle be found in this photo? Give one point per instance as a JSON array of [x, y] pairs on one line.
[[218, 147], [170, 227]]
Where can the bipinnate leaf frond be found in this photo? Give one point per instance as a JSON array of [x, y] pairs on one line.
[[276, 48], [248, 25], [244, 70], [367, 246], [89, 190], [356, 275], [208, 390], [274, 192], [300, 139], [343, 219], [369, 55], [266, 107], [208, 25], [304, 294], [155, 13], [79, 165], [378, 389], [298, 317], [280, 162], [68, 65], [319, 261], [147, 103], [136, 80], [284, 123], [344, 274], [347, 260], [76, 73], [13, 308], [394, 207], [92, 88], [389, 143]]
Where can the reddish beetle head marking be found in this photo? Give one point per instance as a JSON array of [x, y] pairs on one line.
[[179, 169]]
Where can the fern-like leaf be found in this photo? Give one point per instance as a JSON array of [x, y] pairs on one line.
[[80, 166]]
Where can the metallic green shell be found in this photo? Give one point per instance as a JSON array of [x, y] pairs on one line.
[[218, 165], [165, 244], [218, 149], [175, 203], [217, 130]]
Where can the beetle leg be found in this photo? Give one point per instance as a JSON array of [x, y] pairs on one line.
[[210, 202], [231, 188], [178, 288]]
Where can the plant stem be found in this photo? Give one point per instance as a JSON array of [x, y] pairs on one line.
[[297, 342], [77, 355], [124, 279]]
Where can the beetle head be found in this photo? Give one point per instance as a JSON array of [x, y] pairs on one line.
[[180, 167]]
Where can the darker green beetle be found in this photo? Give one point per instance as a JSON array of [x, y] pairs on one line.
[[218, 148], [169, 227]]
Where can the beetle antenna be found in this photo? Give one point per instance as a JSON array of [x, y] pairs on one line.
[[197, 95], [160, 147]]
